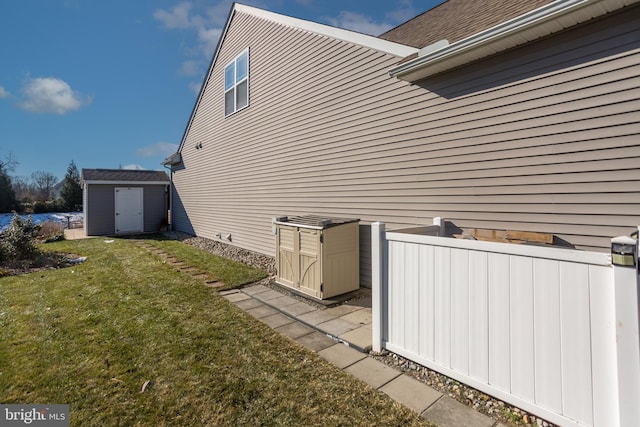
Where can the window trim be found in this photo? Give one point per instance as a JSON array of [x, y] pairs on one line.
[[236, 83]]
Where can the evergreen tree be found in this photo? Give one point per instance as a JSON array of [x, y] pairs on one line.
[[71, 192], [8, 200]]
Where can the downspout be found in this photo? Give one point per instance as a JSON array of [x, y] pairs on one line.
[[170, 212]]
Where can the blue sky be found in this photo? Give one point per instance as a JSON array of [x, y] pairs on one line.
[[111, 84]]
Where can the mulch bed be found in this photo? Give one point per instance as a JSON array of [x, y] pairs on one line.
[[44, 261]]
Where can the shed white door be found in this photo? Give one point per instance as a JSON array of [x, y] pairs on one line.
[[129, 214]]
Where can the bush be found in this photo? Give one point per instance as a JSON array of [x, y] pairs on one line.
[[18, 241], [45, 207], [50, 231]]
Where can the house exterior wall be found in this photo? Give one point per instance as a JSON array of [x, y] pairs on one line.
[[155, 207], [99, 205], [541, 138]]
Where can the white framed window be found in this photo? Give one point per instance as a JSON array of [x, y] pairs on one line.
[[236, 84]]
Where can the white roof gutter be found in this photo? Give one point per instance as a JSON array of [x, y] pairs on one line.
[[545, 20], [126, 183], [173, 159]]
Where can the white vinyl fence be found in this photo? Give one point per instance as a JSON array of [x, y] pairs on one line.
[[552, 331]]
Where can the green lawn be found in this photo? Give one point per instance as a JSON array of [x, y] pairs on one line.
[[92, 335]]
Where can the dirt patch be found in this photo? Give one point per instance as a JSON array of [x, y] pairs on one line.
[[44, 261]]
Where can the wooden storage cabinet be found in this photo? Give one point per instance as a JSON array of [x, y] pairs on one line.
[[318, 256]]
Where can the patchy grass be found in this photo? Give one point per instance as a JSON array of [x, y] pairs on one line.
[[92, 335], [232, 273]]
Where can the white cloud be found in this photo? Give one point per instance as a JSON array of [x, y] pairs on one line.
[[191, 68], [4, 93], [51, 95], [403, 11], [206, 24], [133, 167], [208, 39], [195, 87], [217, 14], [358, 22], [178, 17], [158, 149]]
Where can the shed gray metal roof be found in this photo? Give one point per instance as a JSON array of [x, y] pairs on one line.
[[124, 175]]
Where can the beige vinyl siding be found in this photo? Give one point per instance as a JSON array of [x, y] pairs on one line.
[[542, 138]]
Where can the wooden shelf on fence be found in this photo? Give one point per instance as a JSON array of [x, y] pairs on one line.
[[506, 236]]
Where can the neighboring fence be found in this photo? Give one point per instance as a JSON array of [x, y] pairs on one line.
[[552, 331]]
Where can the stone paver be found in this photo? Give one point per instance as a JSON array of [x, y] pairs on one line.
[[448, 412], [315, 317], [374, 373], [282, 301], [336, 327], [352, 324], [261, 311], [359, 337], [316, 341], [362, 302], [341, 310], [74, 233], [239, 296], [341, 355], [412, 393], [255, 289], [268, 295], [248, 304], [294, 330], [298, 308], [362, 317], [214, 284], [276, 320]]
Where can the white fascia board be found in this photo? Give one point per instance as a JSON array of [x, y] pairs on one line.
[[173, 159], [127, 183], [535, 24], [371, 42]]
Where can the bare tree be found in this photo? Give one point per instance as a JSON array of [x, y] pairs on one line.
[[44, 183], [9, 163], [24, 188]]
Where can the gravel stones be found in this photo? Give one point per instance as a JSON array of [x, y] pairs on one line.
[[476, 399], [254, 259]]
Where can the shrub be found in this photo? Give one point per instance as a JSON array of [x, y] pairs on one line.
[[39, 207], [18, 243], [50, 231], [48, 206]]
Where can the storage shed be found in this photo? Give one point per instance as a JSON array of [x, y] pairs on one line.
[[118, 201], [316, 255]]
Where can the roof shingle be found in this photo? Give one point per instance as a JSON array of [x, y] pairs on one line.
[[455, 20], [123, 175]]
